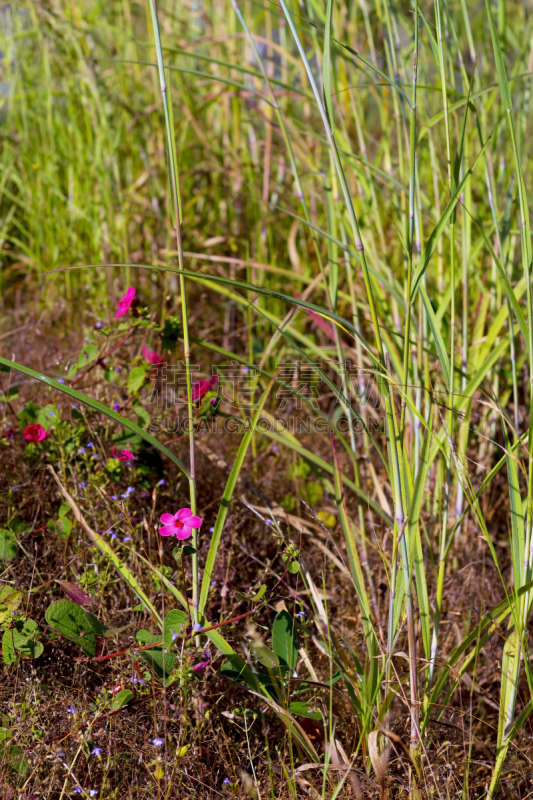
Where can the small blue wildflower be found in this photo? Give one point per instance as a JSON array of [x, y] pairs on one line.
[[161, 482], [211, 530], [173, 635], [82, 485], [136, 680], [127, 539], [95, 456], [99, 324], [120, 515], [301, 614], [113, 497], [130, 489], [96, 751], [13, 488], [93, 792], [125, 495], [61, 380], [78, 790], [117, 369], [51, 414], [226, 782], [81, 451], [61, 755], [268, 522], [157, 742], [71, 710], [197, 627], [76, 405], [275, 447], [116, 406], [114, 536], [90, 444]]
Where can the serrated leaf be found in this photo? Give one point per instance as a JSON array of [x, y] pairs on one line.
[[136, 379], [8, 545], [121, 699], [285, 640]]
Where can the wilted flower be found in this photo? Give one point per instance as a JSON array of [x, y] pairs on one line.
[[179, 524], [124, 304], [35, 433]]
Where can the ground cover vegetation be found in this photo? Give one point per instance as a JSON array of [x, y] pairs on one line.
[[266, 352]]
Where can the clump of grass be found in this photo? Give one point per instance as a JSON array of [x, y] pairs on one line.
[[326, 207]]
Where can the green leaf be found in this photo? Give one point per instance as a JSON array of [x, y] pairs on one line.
[[226, 498], [172, 623], [48, 416], [161, 662], [293, 567], [64, 509], [87, 355], [301, 709], [10, 600], [436, 233], [8, 545], [326, 70], [136, 379], [121, 699], [76, 624], [8, 647], [143, 417], [285, 640], [61, 527]]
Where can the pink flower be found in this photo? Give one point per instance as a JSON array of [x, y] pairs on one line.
[[123, 455], [124, 304], [35, 433], [200, 666], [202, 387], [152, 357], [179, 524]]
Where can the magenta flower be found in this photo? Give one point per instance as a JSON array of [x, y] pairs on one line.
[[122, 455], [202, 387], [179, 524], [202, 665], [35, 433], [152, 357], [124, 304]]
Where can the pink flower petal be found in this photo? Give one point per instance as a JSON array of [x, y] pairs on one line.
[[167, 519], [193, 522], [183, 513], [167, 530], [182, 533]]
